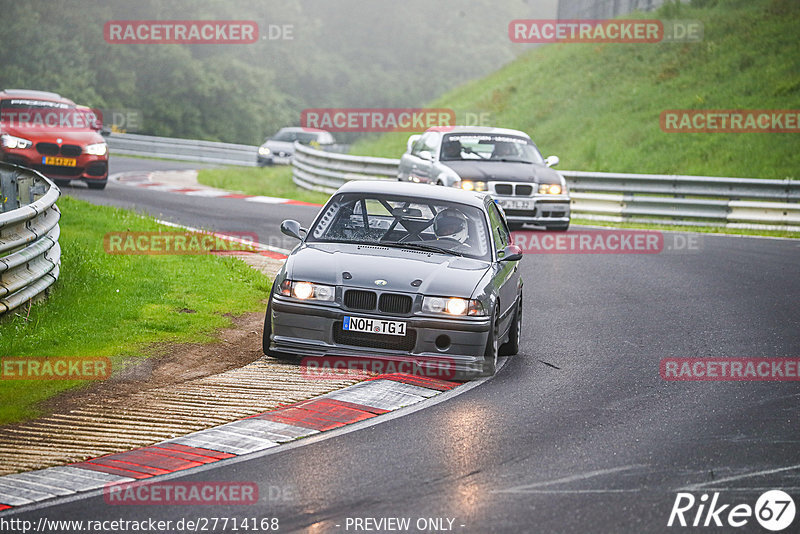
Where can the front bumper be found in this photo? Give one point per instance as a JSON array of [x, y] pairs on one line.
[[316, 330], [274, 158], [87, 167], [538, 209]]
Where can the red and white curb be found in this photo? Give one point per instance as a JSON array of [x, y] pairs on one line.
[[365, 400], [260, 248], [145, 180]]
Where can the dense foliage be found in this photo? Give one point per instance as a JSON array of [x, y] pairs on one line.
[[344, 53]]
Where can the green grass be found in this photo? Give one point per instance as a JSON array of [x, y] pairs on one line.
[[597, 106], [119, 305], [273, 181]]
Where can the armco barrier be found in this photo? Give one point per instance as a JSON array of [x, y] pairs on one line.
[[190, 149], [652, 198], [182, 149], [30, 256]]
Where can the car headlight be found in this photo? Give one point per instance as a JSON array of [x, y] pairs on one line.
[[9, 141], [264, 151], [452, 306], [469, 185], [307, 291], [97, 149], [549, 189]]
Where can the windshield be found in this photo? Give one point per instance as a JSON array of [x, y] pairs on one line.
[[489, 147], [307, 137], [32, 113], [285, 135], [413, 223]]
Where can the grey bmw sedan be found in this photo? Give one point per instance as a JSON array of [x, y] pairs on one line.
[[396, 270]]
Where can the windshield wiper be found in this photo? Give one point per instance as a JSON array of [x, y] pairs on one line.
[[420, 246], [512, 160]]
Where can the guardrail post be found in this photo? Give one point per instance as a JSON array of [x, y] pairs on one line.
[[9, 193]]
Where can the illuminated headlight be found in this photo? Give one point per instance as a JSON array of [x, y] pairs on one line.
[[307, 291], [9, 141], [549, 189], [452, 306], [264, 151], [469, 185], [97, 149]]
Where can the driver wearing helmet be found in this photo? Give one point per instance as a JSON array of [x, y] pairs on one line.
[[451, 224], [503, 149]]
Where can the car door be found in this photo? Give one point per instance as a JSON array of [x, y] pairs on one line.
[[415, 166], [506, 276]]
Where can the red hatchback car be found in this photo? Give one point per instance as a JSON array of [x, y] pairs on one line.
[[51, 134]]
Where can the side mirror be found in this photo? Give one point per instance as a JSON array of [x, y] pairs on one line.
[[411, 141], [551, 161], [426, 155], [293, 229], [510, 253]]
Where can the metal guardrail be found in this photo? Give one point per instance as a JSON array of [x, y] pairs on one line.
[[30, 256], [650, 198], [182, 149], [190, 149]]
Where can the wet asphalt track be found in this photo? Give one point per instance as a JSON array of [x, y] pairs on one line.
[[577, 433]]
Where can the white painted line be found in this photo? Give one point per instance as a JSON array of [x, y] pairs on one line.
[[567, 492], [38, 482], [106, 478], [20, 490], [699, 485], [267, 200], [162, 188], [271, 430], [782, 488], [227, 441], [410, 389], [205, 192], [376, 395], [10, 499], [63, 480], [571, 478]]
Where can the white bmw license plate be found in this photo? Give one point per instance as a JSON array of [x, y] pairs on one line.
[[516, 204], [374, 326]]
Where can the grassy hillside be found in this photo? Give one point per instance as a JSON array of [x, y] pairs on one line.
[[597, 106]]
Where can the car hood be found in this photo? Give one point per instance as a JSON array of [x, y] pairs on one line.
[[440, 274], [50, 135], [276, 146], [504, 171]]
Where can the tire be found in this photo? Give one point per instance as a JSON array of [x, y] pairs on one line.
[[439, 182], [97, 185], [511, 347], [265, 338], [490, 354], [558, 227]]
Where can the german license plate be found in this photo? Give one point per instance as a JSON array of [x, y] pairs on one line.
[[374, 326], [61, 162], [516, 204]]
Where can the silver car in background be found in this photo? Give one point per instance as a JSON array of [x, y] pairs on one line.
[[279, 148], [503, 162]]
